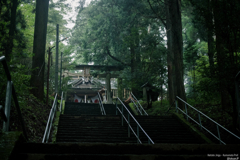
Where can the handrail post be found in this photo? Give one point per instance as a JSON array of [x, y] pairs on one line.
[[199, 118], [128, 122], [176, 105], [101, 105], [7, 106], [200, 124], [138, 133], [219, 134], [138, 110], [140, 106], [3, 114], [122, 115], [116, 108], [49, 122], [128, 125], [61, 103], [186, 111], [10, 92]]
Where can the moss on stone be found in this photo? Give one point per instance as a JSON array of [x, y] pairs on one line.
[[194, 130]]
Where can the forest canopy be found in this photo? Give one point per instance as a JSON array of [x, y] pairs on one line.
[[185, 48]]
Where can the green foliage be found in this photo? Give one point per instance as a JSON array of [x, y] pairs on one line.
[[120, 33], [133, 108], [204, 86], [34, 112], [19, 39], [158, 107]]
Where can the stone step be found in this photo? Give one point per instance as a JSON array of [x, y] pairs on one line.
[[162, 129], [89, 134], [102, 137], [106, 157], [123, 151]]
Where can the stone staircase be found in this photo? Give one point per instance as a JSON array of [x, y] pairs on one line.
[[115, 151], [110, 109], [84, 123], [83, 133], [166, 129], [92, 128], [77, 109]]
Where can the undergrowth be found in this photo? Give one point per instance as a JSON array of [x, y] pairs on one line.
[[35, 115], [158, 107], [214, 111]]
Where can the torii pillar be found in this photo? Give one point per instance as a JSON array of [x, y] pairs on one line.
[[108, 87], [120, 89]]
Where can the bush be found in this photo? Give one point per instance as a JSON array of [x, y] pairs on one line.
[[157, 107], [131, 105]]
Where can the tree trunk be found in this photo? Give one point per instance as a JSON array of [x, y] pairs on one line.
[[170, 56], [11, 30], [235, 117], [39, 44], [209, 22], [177, 46], [220, 50], [133, 68], [224, 74]]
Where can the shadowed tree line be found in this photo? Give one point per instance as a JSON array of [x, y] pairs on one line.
[[185, 48]]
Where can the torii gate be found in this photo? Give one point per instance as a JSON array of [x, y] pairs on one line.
[[108, 75]]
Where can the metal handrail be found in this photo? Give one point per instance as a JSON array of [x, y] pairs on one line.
[[10, 91], [170, 107], [128, 122], [60, 108], [136, 106], [101, 105], [3, 114], [139, 104], [200, 124], [50, 121]]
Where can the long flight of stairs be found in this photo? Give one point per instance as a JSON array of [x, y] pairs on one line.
[[83, 133], [84, 123], [94, 128]]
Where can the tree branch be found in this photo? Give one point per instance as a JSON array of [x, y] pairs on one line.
[[114, 58], [157, 14]]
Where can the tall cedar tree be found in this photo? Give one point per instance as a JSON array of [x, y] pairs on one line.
[[176, 41], [39, 43], [12, 29]]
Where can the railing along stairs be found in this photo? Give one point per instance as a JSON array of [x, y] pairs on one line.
[[10, 91], [138, 106], [127, 120], [101, 105], [199, 121], [60, 108], [51, 118]]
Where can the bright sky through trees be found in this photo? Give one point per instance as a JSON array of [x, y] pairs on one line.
[[73, 13]]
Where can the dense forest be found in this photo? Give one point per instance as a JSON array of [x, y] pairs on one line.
[[185, 48]]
